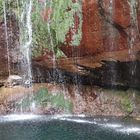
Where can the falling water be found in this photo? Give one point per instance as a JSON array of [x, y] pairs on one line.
[[51, 38], [6, 36], [25, 48], [76, 78], [26, 42], [56, 73], [134, 33], [49, 5], [112, 38]]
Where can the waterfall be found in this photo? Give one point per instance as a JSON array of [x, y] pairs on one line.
[[133, 37], [112, 36], [26, 42], [25, 48], [134, 33], [6, 37]]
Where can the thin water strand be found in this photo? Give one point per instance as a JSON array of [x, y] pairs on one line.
[[25, 48], [26, 41], [6, 37], [134, 32]]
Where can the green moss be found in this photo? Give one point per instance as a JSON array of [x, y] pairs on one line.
[[49, 34], [52, 34], [44, 98], [127, 104]]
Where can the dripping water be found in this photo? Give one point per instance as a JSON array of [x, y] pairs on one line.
[[76, 54], [25, 48], [26, 41], [134, 33], [56, 73], [112, 34], [6, 37]]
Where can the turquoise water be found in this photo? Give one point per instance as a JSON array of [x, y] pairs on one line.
[[68, 128]]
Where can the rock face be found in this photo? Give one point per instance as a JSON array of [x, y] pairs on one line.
[[110, 32], [107, 27], [95, 102], [109, 47], [9, 44]]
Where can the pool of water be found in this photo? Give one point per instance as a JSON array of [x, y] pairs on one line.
[[32, 127]]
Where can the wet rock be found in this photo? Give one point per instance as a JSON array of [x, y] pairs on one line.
[[2, 83], [109, 49], [88, 100], [13, 80], [90, 71]]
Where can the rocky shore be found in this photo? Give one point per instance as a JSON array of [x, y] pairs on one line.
[[91, 101], [98, 77]]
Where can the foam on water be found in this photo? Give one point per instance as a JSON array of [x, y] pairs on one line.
[[17, 117], [103, 123]]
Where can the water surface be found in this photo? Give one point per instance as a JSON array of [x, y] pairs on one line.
[[30, 127]]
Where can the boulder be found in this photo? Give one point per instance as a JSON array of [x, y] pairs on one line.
[[13, 80]]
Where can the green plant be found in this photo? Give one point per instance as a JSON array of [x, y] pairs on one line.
[[11, 7], [126, 104], [52, 33], [43, 98], [63, 19]]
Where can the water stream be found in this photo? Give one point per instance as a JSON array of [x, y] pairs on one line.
[[6, 37], [26, 42], [134, 34]]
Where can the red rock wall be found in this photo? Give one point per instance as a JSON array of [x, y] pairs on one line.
[[105, 30]]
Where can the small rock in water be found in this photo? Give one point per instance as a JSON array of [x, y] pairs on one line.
[[27, 83], [13, 80]]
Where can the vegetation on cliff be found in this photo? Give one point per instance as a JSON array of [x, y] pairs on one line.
[[52, 20], [44, 98]]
